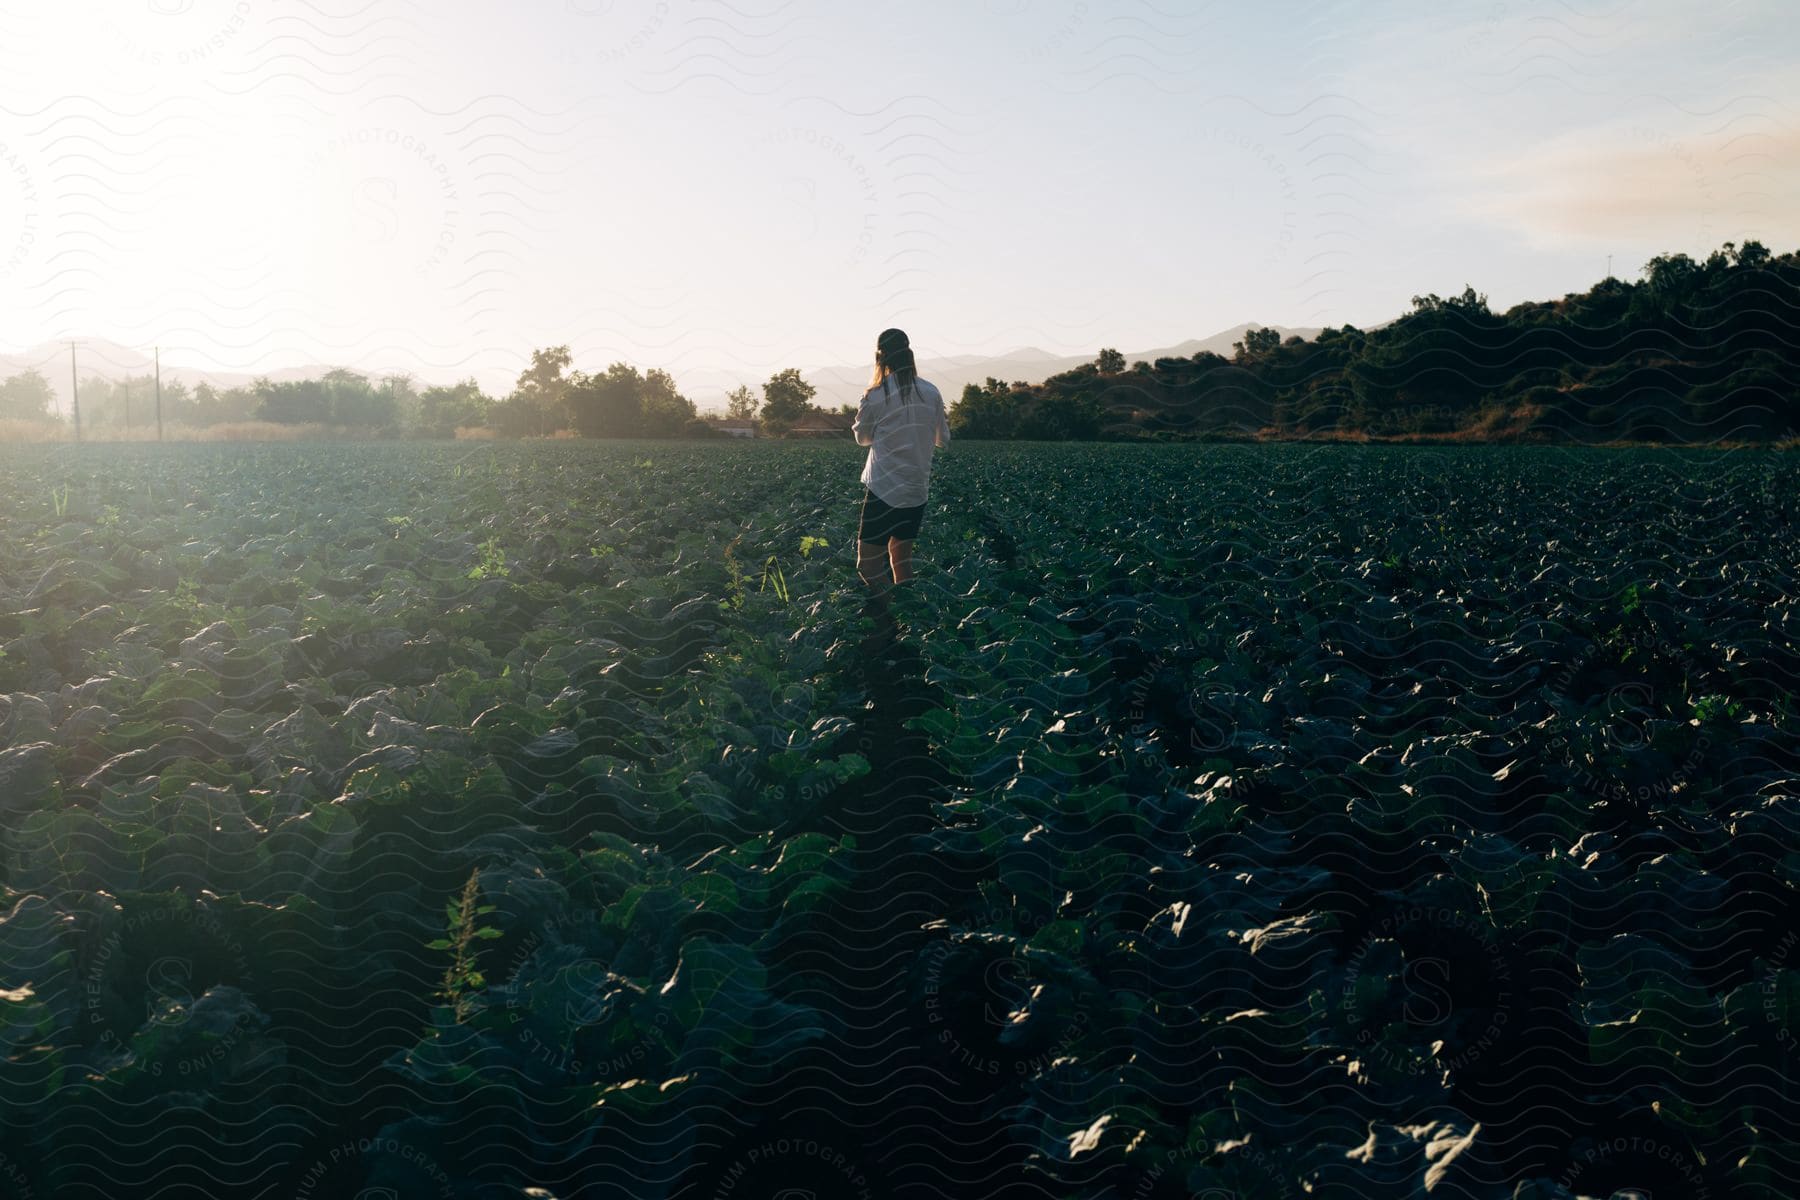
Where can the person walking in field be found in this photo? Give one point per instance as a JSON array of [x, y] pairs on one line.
[[901, 420]]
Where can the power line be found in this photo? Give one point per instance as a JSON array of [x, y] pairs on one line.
[[74, 391]]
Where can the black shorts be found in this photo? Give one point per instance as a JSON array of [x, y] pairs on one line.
[[881, 521]]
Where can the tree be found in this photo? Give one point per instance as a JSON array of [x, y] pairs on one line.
[[609, 404], [542, 388], [400, 395], [988, 410], [129, 404], [1257, 343], [665, 410], [177, 402], [96, 400], [294, 401], [444, 410], [1470, 303], [356, 402], [740, 404], [207, 405], [1751, 254], [1110, 362], [239, 403], [26, 397], [786, 398], [1061, 416], [516, 416]]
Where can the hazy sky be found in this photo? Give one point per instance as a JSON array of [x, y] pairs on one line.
[[735, 187]]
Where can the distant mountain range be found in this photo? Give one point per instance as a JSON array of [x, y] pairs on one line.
[[836, 384]]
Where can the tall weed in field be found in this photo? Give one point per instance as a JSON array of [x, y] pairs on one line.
[[463, 977]]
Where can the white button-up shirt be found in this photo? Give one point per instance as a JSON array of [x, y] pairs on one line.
[[900, 432]]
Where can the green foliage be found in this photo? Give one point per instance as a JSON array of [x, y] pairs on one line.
[[339, 397], [621, 402], [441, 411], [740, 403], [1717, 708], [786, 398], [265, 727], [26, 396], [543, 401], [463, 977], [664, 411], [772, 573], [493, 561], [1697, 351], [734, 587], [1257, 343], [988, 410]]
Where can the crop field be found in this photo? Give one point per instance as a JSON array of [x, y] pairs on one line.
[[1218, 821]]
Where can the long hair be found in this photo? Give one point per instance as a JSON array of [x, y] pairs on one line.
[[894, 356]]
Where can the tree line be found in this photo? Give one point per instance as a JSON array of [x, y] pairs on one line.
[[549, 397], [1695, 350]]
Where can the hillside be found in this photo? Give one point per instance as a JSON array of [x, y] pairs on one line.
[[1698, 351]]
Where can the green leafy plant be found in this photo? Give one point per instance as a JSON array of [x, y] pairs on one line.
[[809, 543], [1717, 708], [493, 562], [186, 598], [734, 587], [60, 498], [772, 574], [463, 977]]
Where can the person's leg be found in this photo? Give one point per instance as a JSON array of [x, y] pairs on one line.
[[869, 564], [871, 543], [900, 558], [901, 534]]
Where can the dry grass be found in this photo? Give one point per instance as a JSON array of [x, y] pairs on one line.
[[475, 433], [234, 431], [269, 431], [13, 429]]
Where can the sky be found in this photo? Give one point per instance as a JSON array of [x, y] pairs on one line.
[[725, 188]]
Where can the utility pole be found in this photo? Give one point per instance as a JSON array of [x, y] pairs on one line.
[[74, 392], [1609, 266], [158, 352]]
